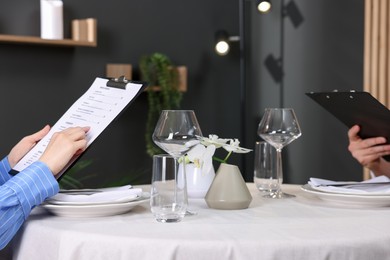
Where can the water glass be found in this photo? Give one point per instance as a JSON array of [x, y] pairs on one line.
[[168, 200], [265, 174]]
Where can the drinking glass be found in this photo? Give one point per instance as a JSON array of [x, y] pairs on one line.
[[279, 127], [264, 176], [168, 196], [176, 132]]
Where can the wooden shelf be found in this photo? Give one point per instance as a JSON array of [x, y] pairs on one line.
[[39, 41]]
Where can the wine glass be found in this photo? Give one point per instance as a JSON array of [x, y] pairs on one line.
[[279, 127], [176, 132]]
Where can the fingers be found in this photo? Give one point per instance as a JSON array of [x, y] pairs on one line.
[[357, 143], [38, 135], [353, 133], [76, 133], [373, 141], [25, 145], [63, 146], [366, 151], [80, 145], [77, 136], [375, 151]]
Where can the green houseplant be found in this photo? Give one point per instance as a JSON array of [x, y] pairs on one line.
[[163, 91]]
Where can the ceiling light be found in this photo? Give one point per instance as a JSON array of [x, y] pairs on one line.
[[222, 42], [264, 6]]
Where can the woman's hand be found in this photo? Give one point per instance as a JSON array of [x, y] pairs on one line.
[[63, 146], [25, 145]]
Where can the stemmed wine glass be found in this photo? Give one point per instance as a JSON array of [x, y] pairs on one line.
[[279, 127], [176, 132]]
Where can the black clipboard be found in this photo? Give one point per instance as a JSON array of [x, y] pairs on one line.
[[357, 108]]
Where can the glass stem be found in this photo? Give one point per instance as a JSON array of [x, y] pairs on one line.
[[184, 176], [177, 167], [279, 170], [180, 174]]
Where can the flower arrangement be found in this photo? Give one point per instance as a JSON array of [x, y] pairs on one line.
[[202, 152]]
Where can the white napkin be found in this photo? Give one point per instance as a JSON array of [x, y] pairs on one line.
[[316, 183], [106, 195]]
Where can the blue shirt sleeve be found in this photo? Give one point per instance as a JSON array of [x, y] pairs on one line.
[[4, 171], [20, 194]]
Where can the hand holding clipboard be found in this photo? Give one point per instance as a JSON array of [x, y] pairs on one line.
[[357, 108], [96, 108]]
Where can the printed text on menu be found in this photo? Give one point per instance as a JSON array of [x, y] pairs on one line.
[[96, 108]]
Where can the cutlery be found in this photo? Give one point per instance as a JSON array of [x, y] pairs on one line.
[[80, 192], [347, 184]]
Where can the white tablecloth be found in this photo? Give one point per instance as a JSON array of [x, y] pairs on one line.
[[299, 228]]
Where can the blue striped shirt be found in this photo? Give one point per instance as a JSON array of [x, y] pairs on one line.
[[19, 194]]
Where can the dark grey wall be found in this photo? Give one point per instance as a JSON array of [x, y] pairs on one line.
[[324, 53], [40, 82]]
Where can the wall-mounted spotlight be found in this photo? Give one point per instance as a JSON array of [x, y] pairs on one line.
[[223, 41], [291, 10], [274, 67], [264, 6]]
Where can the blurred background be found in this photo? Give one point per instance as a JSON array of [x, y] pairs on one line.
[[317, 47]]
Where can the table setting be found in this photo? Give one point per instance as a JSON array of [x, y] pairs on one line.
[[232, 219], [82, 203], [178, 133], [374, 192], [301, 227], [173, 183]]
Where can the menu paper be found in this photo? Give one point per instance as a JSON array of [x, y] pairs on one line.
[[96, 108]]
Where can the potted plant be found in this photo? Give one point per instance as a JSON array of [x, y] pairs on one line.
[[163, 91]]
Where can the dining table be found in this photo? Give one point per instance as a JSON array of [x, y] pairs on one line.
[[303, 227]]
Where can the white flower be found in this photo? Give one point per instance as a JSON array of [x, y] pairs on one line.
[[202, 156], [234, 147], [213, 139]]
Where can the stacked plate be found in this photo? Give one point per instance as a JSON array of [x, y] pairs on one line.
[[372, 193], [95, 202]]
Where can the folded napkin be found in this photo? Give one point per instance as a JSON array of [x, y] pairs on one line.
[[106, 195], [364, 187]]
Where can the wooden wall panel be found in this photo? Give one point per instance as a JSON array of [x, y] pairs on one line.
[[376, 52]]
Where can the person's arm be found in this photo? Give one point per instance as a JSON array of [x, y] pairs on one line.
[[18, 151], [369, 152], [20, 194], [30, 187], [4, 170]]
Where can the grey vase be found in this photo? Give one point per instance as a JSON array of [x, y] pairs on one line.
[[228, 189]]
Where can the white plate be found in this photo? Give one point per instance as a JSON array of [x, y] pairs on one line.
[[350, 200], [87, 211], [86, 203]]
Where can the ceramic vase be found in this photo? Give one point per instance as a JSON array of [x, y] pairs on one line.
[[198, 182], [228, 190], [52, 21]]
